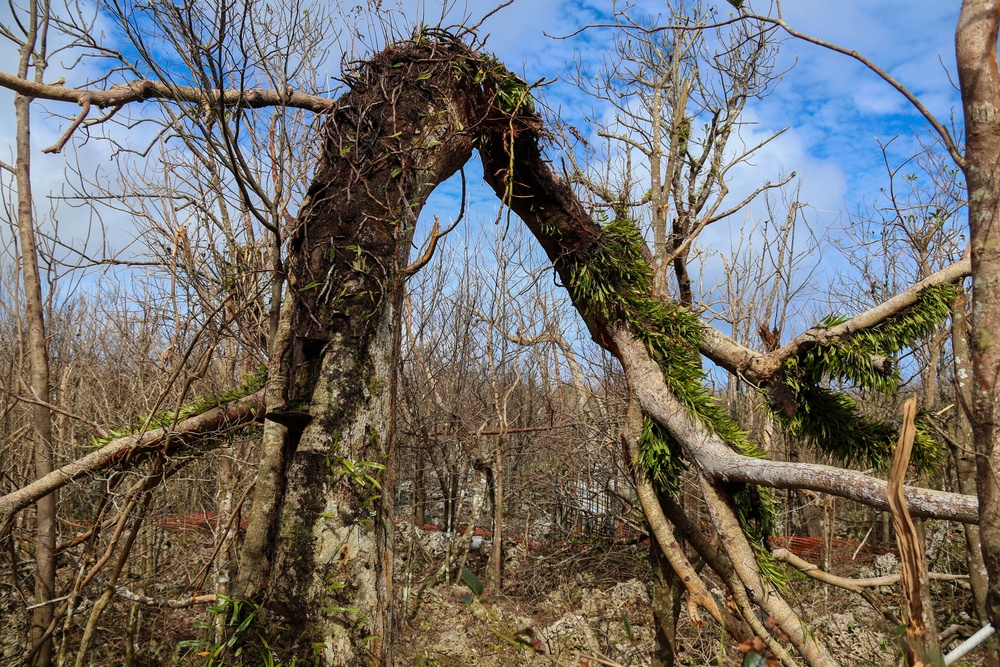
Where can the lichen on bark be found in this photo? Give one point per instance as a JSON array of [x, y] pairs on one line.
[[320, 559]]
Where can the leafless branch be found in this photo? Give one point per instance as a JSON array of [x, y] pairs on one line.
[[809, 569], [436, 236], [940, 129], [58, 146], [144, 89], [759, 368]]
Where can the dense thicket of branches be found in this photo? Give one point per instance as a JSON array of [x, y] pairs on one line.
[[472, 392]]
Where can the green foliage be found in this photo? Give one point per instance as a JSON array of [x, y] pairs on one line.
[[626, 625], [251, 383], [513, 95], [474, 584], [831, 420], [236, 618], [660, 456], [851, 359], [615, 282], [363, 473]]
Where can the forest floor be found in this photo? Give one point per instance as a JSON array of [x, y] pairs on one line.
[[587, 603], [582, 602]]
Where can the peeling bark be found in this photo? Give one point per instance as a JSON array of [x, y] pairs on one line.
[[922, 644]]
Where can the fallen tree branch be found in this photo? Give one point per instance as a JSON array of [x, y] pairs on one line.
[[141, 90], [855, 585], [554, 215], [698, 594], [741, 555], [235, 413], [758, 368], [717, 461], [718, 560]]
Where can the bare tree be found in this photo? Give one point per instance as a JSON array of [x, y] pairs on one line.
[[678, 96], [31, 36]]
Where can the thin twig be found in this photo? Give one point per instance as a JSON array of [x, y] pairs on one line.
[[58, 146]]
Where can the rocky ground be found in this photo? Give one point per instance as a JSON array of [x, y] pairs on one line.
[[597, 611], [577, 603]]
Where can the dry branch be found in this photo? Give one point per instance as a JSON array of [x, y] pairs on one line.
[[744, 562], [698, 594], [143, 89], [854, 585]]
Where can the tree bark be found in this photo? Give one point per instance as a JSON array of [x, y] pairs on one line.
[[322, 514], [979, 79], [45, 507], [38, 355], [326, 523], [496, 552], [666, 607], [962, 450]]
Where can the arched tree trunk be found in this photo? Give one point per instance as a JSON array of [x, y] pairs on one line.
[[318, 553], [318, 556]]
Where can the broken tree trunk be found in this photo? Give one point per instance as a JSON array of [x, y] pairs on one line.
[[318, 554], [922, 646]]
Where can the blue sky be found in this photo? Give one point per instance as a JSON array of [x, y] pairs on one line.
[[836, 110]]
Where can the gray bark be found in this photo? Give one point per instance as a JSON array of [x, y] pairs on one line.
[[962, 451], [979, 80]]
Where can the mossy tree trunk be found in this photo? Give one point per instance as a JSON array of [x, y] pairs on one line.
[[318, 550], [318, 553]]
